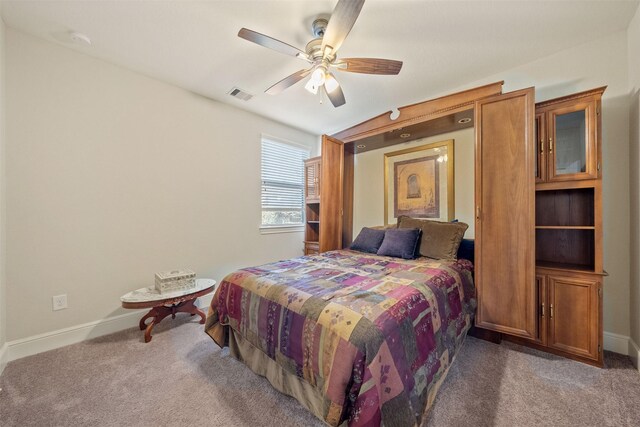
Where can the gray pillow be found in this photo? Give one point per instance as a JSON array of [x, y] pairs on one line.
[[400, 243], [368, 240]]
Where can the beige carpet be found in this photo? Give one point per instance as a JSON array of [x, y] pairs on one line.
[[182, 378]]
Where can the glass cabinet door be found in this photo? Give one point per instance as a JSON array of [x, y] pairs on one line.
[[571, 142]]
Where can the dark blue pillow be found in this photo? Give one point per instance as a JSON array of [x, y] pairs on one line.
[[466, 249], [400, 243], [369, 240]]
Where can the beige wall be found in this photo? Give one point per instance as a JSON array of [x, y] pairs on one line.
[[368, 209], [633, 49], [114, 176]]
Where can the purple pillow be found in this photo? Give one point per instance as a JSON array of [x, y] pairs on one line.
[[369, 240], [400, 243]]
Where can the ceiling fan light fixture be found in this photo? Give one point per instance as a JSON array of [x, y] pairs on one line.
[[312, 87], [319, 76], [331, 83]]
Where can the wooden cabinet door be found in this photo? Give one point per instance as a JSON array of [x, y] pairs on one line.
[[331, 194], [505, 214], [312, 180], [541, 154], [543, 308], [571, 140], [574, 315]]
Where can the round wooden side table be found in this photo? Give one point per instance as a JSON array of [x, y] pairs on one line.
[[168, 303]]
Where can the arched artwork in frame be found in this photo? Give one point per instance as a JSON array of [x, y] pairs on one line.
[[418, 182]]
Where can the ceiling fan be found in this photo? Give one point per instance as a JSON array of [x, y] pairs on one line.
[[321, 54]]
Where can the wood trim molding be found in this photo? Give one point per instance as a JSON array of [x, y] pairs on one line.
[[591, 92], [420, 112]]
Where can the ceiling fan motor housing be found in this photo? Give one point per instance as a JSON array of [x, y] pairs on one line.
[[314, 49]]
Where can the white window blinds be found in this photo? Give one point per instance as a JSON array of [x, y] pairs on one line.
[[282, 183]]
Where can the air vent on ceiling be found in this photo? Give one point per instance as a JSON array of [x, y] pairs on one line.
[[240, 94]]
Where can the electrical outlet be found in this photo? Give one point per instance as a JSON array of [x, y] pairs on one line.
[[59, 302]]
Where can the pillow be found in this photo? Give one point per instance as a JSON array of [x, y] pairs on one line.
[[384, 227], [466, 249], [440, 240], [369, 240], [400, 243]]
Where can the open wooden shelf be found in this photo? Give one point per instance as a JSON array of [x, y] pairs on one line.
[[564, 246], [567, 207]]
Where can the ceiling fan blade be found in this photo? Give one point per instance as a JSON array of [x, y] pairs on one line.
[[369, 66], [288, 81], [336, 96], [271, 43], [340, 23]]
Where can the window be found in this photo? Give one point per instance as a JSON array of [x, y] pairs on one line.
[[282, 184]]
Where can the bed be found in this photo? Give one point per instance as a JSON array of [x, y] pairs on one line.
[[357, 338]]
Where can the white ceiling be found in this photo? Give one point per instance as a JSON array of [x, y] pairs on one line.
[[444, 45]]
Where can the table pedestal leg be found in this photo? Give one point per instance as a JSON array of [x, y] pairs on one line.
[[190, 307], [160, 312]]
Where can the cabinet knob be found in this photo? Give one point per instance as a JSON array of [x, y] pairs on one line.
[[542, 311], [551, 311], [550, 145]]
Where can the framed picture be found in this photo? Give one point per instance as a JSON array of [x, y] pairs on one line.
[[418, 182]]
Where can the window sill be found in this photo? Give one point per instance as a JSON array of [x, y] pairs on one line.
[[276, 229]]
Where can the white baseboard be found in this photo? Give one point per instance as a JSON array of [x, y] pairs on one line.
[[4, 357], [29, 346], [616, 343], [204, 302], [634, 353], [55, 339]]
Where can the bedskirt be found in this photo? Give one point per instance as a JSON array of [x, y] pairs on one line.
[[292, 385]]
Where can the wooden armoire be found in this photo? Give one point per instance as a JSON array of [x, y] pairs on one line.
[[568, 223], [538, 207]]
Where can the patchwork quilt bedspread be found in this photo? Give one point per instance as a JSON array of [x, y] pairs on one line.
[[374, 335]]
